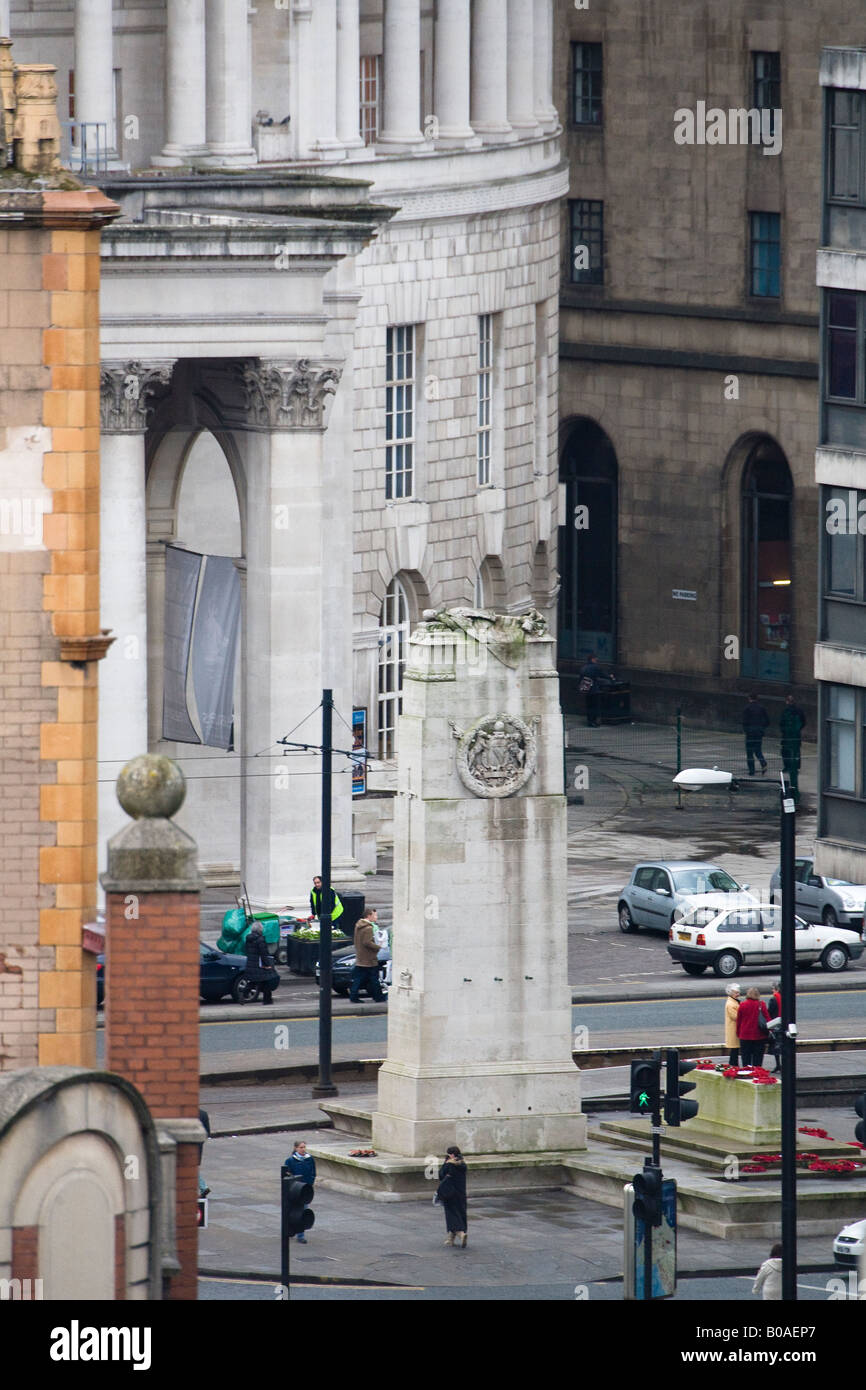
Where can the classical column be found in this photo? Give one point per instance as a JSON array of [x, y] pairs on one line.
[[326, 145], [127, 390], [229, 118], [348, 79], [94, 69], [185, 83], [288, 547], [545, 111], [402, 76], [489, 84], [521, 68], [451, 75]]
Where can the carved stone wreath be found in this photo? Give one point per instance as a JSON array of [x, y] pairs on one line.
[[497, 755]]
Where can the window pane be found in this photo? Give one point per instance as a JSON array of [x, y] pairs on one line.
[[586, 83], [845, 144], [587, 244], [842, 757], [842, 345], [841, 545], [766, 254]]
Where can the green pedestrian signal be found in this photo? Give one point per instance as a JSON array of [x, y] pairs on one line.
[[645, 1086]]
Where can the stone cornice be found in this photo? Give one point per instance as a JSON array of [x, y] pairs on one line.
[[288, 395], [78, 209], [127, 390]]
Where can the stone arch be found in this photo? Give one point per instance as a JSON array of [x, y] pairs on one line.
[[757, 537], [491, 576], [587, 555]]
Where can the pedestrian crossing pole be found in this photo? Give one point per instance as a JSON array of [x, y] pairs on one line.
[[788, 1043], [324, 1085]]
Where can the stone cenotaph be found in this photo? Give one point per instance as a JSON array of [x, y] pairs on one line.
[[479, 1014]]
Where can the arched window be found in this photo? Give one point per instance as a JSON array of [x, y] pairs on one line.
[[393, 639], [767, 489], [587, 545]]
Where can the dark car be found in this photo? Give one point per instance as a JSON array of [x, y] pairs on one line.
[[219, 974], [344, 964]]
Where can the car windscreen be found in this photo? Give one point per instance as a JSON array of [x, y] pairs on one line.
[[690, 881]]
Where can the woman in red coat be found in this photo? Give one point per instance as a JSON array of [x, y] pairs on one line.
[[752, 1037]]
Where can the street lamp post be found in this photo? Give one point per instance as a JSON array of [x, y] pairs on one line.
[[788, 1043]]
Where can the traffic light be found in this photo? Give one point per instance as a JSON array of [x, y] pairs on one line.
[[860, 1129], [646, 1086], [297, 1195], [676, 1109], [647, 1204]]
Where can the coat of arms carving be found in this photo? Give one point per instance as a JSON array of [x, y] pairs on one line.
[[497, 756]]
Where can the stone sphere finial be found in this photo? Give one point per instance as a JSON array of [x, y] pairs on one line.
[[150, 787]]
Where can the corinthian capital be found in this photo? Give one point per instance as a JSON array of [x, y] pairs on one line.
[[127, 390], [288, 396]]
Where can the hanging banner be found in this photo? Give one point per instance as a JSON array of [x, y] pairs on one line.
[[359, 752], [182, 568], [202, 627]]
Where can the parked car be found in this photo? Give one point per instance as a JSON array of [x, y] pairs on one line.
[[822, 899], [219, 974], [848, 1245], [752, 936], [658, 893], [344, 964]]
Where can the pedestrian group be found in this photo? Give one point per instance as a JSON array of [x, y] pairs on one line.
[[749, 1026]]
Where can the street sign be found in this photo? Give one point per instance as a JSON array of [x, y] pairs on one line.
[[663, 1281]]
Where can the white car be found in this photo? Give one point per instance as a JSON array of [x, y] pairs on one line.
[[735, 937], [849, 1244]]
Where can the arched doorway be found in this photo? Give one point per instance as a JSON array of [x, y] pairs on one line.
[[766, 493], [587, 546]]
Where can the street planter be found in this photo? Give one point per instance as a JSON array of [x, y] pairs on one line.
[[302, 955]]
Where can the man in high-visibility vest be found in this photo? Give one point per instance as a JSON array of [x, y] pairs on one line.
[[316, 902]]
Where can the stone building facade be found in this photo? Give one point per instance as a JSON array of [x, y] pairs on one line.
[[377, 189], [840, 472], [689, 346]]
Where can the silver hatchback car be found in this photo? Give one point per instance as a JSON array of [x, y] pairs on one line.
[[660, 892], [818, 898]]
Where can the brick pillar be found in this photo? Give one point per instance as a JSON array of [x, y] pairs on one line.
[[152, 1012]]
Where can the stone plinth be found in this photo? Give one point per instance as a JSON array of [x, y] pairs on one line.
[[479, 1021], [737, 1110]]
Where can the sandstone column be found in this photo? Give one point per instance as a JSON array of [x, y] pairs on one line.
[[489, 85], [451, 74], [348, 77], [94, 69], [479, 1016], [229, 117], [521, 68], [326, 144], [185, 83], [151, 1024], [289, 572], [402, 77], [127, 390], [545, 111]]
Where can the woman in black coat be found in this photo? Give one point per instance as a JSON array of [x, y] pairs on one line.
[[260, 969], [452, 1194]]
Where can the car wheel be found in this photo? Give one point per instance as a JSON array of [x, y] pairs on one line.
[[693, 969], [625, 919], [727, 964], [240, 984], [834, 957], [829, 918]]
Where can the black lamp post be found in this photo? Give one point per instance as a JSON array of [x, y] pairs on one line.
[[788, 1043]]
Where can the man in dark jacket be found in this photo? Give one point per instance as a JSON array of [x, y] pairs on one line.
[[590, 681], [260, 969], [755, 721], [366, 971], [791, 724], [301, 1165]]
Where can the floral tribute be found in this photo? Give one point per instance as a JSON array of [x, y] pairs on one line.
[[810, 1162]]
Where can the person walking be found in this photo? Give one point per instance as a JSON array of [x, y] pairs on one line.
[[791, 724], [302, 1165], [732, 1008], [259, 968], [590, 681], [749, 1031], [768, 1280], [366, 971], [755, 721], [451, 1192], [774, 1011], [316, 908]]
